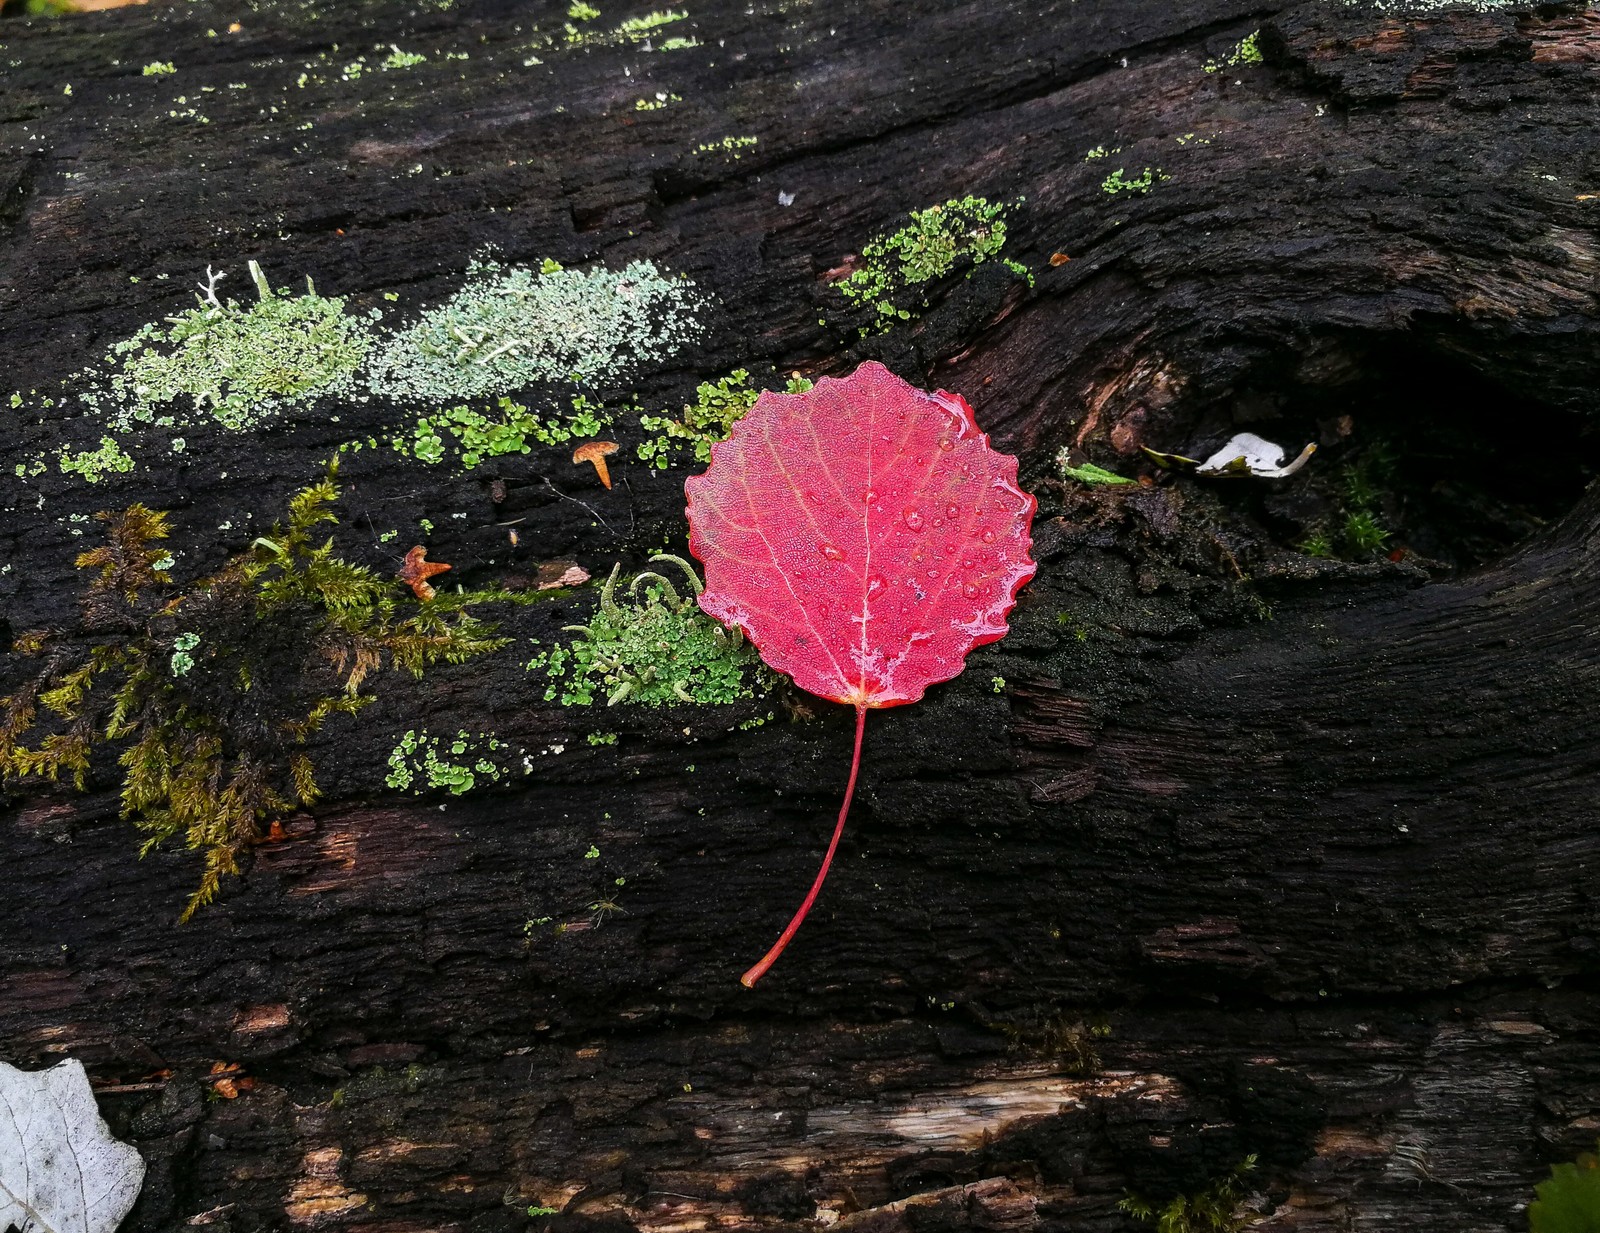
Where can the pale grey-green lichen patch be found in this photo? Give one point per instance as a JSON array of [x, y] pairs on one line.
[[510, 328]]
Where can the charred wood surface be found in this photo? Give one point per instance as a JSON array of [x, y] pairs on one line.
[[1254, 852]]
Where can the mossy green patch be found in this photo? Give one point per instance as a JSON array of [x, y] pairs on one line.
[[735, 146], [1246, 51], [1218, 1208], [654, 647], [397, 59], [1118, 182], [212, 692]]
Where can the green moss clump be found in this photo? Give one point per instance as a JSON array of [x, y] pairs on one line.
[[637, 28], [654, 648], [397, 59], [240, 365], [942, 238], [420, 762], [631, 30], [717, 407], [1357, 532], [1216, 1209], [211, 693], [508, 329]]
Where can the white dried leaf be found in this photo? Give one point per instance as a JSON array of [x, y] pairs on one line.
[[60, 1169], [1250, 455]]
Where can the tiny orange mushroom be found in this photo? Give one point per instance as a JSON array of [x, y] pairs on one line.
[[416, 572], [597, 452]]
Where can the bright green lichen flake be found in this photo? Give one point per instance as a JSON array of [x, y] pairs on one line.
[[511, 328], [93, 465], [510, 428], [1246, 51], [240, 365], [420, 762]]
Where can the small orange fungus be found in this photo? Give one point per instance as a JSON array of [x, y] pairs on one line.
[[597, 452]]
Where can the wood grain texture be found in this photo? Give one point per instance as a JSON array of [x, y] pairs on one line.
[[1327, 879]]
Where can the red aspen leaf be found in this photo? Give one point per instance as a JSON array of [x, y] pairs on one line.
[[865, 538]]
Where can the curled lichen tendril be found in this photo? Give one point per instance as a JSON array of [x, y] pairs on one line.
[[674, 600], [688, 570], [608, 592]]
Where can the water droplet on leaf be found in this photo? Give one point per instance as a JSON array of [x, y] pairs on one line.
[[832, 553]]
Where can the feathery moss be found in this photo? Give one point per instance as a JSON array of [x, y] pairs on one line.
[[211, 693]]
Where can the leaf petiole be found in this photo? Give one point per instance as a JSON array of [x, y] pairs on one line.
[[748, 980]]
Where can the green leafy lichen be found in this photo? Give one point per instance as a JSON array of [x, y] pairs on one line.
[[643, 27], [397, 59], [94, 465], [727, 145], [717, 407], [475, 436], [939, 240], [420, 762], [508, 329], [654, 647], [1246, 51], [182, 661], [1118, 182]]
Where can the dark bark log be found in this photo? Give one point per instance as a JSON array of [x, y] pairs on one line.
[[1197, 884]]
